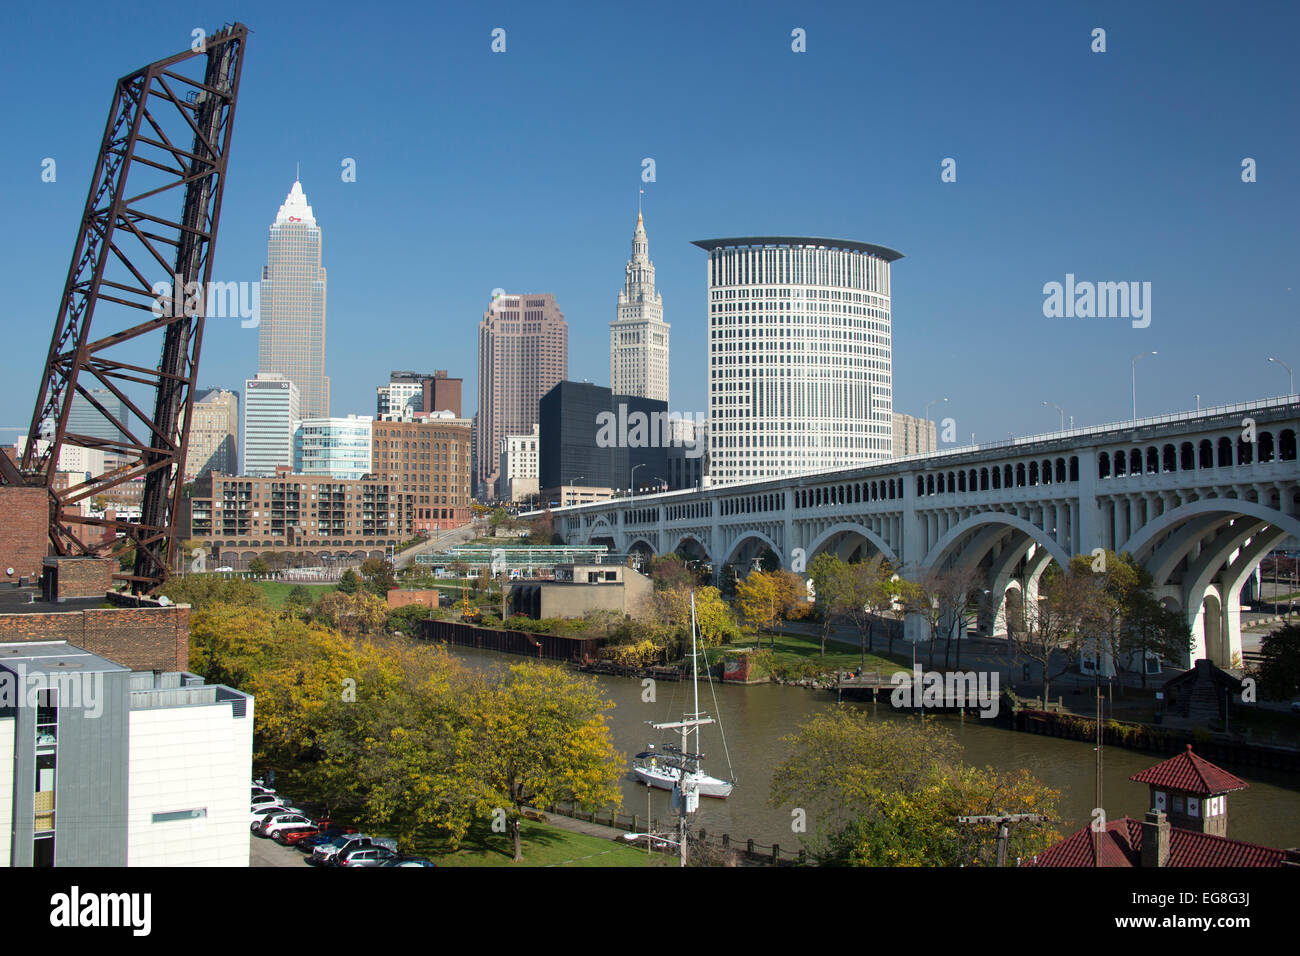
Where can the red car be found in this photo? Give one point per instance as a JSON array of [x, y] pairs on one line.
[[290, 837]]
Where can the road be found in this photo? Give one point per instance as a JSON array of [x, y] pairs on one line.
[[440, 542]]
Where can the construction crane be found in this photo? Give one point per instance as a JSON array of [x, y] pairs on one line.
[[141, 274]]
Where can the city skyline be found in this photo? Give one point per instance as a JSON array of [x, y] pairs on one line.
[[967, 326]]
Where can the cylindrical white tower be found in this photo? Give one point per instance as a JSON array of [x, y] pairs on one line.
[[800, 370]]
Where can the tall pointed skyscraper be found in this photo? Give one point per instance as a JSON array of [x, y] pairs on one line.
[[291, 336], [638, 339]]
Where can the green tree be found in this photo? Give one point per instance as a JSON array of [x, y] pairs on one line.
[[349, 583], [713, 618], [377, 573], [258, 566], [541, 736], [1279, 669], [835, 592]]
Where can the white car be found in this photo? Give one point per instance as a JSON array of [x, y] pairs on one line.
[[280, 821], [264, 799], [258, 814], [224, 568]]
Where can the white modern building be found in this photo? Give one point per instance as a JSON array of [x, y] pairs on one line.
[[638, 338], [336, 447], [271, 410], [402, 396], [800, 368], [519, 468], [104, 766], [73, 458], [291, 323]]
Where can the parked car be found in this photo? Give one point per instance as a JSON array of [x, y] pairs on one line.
[[366, 856], [224, 568], [411, 861], [257, 814], [261, 791], [269, 799], [269, 825], [324, 851], [329, 855], [327, 834], [293, 836]]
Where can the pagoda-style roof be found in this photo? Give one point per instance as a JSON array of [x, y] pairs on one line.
[[1121, 845], [1192, 774]]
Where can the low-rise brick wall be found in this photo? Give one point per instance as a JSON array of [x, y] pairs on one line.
[[24, 531], [144, 638]]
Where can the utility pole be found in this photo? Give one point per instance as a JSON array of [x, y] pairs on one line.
[[1004, 821]]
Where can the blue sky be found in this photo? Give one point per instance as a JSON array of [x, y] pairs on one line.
[[520, 170]]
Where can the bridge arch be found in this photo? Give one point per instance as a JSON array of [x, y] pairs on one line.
[[955, 534], [698, 543], [1145, 538], [849, 527], [748, 537], [602, 527]]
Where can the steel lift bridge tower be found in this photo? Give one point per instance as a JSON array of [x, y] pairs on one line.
[[168, 132]]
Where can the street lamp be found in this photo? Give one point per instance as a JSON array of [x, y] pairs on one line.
[[572, 483], [1290, 374], [1059, 409], [634, 468], [1133, 368]]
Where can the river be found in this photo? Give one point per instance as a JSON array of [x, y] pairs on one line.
[[755, 718]]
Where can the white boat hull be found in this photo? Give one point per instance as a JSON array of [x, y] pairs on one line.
[[666, 779]]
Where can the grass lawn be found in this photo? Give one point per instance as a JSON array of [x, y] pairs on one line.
[[543, 846], [801, 651], [277, 591]]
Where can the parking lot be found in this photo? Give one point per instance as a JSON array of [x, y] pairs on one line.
[[269, 853]]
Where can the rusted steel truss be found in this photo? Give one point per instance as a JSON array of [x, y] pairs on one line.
[[142, 275]]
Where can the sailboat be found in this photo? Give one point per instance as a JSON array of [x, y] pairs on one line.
[[674, 767]]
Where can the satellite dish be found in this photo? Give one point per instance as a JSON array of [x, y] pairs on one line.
[[163, 600], [9, 571]]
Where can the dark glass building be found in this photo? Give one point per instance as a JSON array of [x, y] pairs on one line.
[[592, 438]]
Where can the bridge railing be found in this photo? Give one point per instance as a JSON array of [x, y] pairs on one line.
[[1213, 411]]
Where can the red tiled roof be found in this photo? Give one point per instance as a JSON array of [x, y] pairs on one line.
[[1122, 846], [1190, 773]]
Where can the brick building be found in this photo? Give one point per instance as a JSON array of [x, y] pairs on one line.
[[238, 518], [425, 460]]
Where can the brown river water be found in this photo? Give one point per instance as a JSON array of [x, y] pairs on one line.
[[755, 718]]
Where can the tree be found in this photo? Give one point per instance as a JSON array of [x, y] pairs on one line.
[[1154, 629], [274, 560], [299, 598], [889, 793], [834, 591], [496, 518], [757, 602], [542, 736], [353, 614], [258, 566], [1051, 637], [1279, 669], [349, 583], [670, 571], [713, 617], [791, 599], [942, 598], [871, 592], [377, 573]]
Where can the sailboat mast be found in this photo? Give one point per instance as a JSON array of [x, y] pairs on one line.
[[695, 669]]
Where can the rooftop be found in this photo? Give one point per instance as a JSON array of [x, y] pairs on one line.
[[28, 600], [55, 657], [1121, 845], [852, 245], [1192, 774]]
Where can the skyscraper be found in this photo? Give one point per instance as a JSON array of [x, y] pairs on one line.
[[336, 447], [523, 350], [638, 339], [214, 435], [800, 367], [271, 410], [291, 333]]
